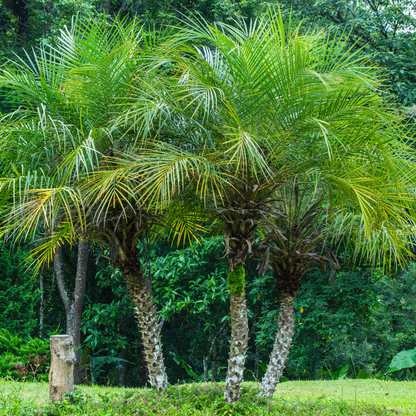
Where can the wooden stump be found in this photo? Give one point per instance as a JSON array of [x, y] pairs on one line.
[[61, 375]]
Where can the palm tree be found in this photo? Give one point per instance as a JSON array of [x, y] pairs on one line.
[[305, 227], [71, 97], [297, 244], [238, 118], [120, 229]]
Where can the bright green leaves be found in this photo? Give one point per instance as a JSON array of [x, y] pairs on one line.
[[18, 357], [404, 359]]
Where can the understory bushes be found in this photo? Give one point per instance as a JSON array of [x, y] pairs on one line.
[[361, 318], [23, 359]]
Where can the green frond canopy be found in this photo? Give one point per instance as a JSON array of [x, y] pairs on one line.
[[118, 117]]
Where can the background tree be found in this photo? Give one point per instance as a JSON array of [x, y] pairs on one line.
[[382, 29], [296, 246], [306, 230], [191, 286]]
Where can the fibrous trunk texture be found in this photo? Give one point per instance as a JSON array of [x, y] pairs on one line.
[[281, 346], [140, 292], [73, 302], [238, 348], [236, 255], [61, 374], [142, 372]]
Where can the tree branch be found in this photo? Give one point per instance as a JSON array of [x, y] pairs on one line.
[[58, 265], [80, 277]]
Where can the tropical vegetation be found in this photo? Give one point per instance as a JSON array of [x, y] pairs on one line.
[[278, 158]]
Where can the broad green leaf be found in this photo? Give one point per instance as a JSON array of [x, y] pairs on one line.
[[341, 373], [404, 359]]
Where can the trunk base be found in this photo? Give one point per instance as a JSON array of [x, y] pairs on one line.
[[238, 348], [281, 347], [140, 291]]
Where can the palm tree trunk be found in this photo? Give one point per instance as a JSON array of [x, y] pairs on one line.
[[142, 373], [238, 348], [140, 292], [236, 255], [281, 346]]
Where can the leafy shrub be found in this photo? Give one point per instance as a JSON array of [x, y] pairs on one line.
[[19, 294], [21, 359], [7, 362], [404, 364]]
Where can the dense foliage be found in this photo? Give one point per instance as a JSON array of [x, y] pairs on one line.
[[26, 359], [362, 318], [384, 29], [19, 294]]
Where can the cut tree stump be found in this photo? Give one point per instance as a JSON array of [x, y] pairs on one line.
[[61, 375]]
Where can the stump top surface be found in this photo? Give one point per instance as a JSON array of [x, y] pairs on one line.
[[60, 336]]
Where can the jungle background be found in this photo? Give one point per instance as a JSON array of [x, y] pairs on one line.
[[361, 317]]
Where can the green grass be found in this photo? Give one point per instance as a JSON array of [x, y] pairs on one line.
[[391, 394], [324, 398]]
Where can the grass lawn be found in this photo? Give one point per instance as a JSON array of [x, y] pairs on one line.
[[391, 394], [314, 397]]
